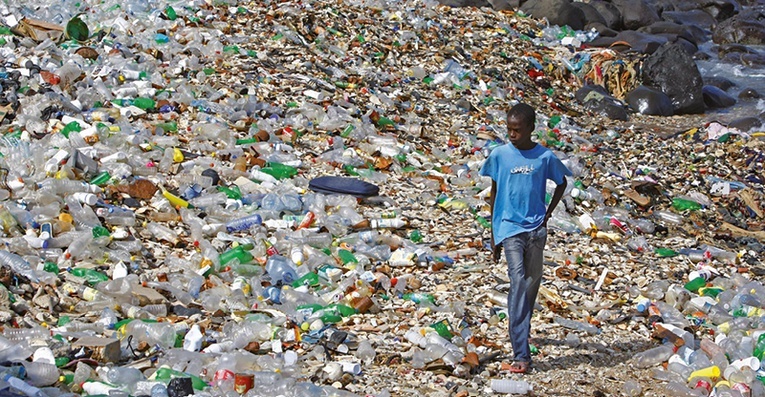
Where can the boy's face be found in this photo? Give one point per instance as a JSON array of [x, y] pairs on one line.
[[519, 132]]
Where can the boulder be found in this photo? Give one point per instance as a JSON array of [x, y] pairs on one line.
[[595, 99], [643, 43], [714, 97], [636, 13], [650, 101], [721, 9], [749, 93], [695, 35], [675, 73], [504, 5], [558, 12], [602, 29], [719, 82], [695, 18], [609, 12], [745, 28], [591, 14], [745, 123]]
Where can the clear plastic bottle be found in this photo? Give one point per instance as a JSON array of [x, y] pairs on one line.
[[244, 223], [653, 356], [24, 387], [508, 386], [18, 265]]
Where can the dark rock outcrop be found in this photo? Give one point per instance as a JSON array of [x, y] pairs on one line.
[[675, 73], [558, 12], [714, 97], [745, 28], [649, 101], [636, 13]]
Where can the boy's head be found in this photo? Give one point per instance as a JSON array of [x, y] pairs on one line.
[[520, 124]]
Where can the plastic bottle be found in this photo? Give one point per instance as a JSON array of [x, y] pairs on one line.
[[653, 356], [244, 223], [25, 388], [508, 386], [577, 325], [281, 269], [682, 204], [18, 265]]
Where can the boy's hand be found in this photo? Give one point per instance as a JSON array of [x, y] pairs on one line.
[[496, 253]]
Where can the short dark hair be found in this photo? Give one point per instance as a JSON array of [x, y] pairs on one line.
[[523, 112]]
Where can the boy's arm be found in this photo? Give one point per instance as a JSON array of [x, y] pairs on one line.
[[495, 249], [557, 195]]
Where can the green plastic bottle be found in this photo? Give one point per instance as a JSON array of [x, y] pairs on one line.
[[144, 103], [342, 310], [71, 127], [309, 279], [695, 284], [100, 231], [665, 252], [346, 256], [170, 126], [681, 204], [279, 171], [418, 297], [90, 275], [101, 179], [171, 14], [239, 252], [759, 347], [415, 236], [231, 192], [51, 267]]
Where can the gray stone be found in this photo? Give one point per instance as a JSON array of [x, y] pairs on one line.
[[596, 99], [591, 14], [675, 73], [504, 5], [558, 12], [609, 12], [749, 93], [714, 97], [696, 18], [745, 28], [650, 101], [636, 14], [746, 123]]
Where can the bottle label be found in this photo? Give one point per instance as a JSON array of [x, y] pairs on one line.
[[89, 294], [223, 375]]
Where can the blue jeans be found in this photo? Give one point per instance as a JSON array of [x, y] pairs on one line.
[[524, 253]]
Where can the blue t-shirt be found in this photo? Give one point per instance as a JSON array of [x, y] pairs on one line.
[[521, 177]]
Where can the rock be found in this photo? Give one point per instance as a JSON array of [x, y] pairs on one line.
[[721, 9], [643, 43], [595, 98], [714, 97], [693, 34], [558, 12], [650, 101], [719, 82], [701, 56], [695, 18], [636, 14], [745, 28], [591, 14], [673, 71], [749, 93], [602, 29], [746, 123], [504, 5], [609, 12]]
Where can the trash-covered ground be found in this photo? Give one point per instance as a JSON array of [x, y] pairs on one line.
[[162, 220]]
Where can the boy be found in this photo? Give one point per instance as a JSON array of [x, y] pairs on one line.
[[519, 174]]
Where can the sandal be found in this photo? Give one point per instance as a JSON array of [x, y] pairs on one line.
[[519, 367]]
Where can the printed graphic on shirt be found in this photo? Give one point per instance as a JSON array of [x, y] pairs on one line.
[[522, 169]]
